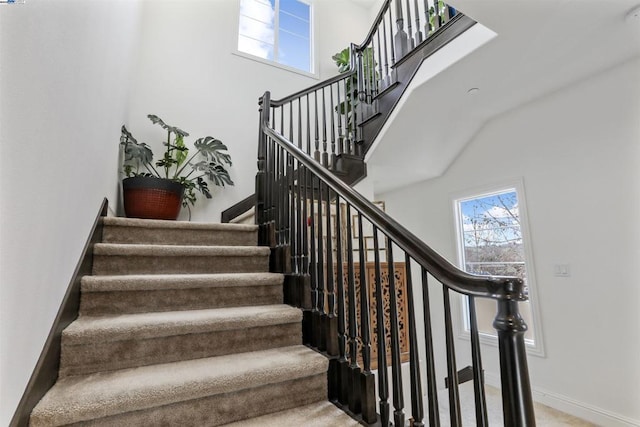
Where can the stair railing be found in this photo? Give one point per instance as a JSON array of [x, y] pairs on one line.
[[400, 27], [321, 118], [314, 224]]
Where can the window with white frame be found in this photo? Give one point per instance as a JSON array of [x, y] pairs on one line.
[[279, 31], [493, 240]]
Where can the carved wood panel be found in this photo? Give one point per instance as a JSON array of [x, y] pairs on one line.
[[401, 299]]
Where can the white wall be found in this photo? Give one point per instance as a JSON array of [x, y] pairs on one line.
[[578, 151], [189, 75], [64, 78]]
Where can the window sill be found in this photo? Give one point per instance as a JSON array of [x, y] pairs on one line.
[[274, 64]]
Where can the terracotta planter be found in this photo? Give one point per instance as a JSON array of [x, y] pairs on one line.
[[152, 198]]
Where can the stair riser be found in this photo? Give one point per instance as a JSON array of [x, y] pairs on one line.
[[164, 236], [98, 355], [121, 302], [131, 264], [223, 408]]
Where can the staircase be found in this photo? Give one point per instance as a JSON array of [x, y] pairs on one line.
[[182, 324]]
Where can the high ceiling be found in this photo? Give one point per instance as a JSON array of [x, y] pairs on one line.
[[540, 47]]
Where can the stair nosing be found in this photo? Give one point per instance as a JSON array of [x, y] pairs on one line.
[[120, 249], [185, 225], [111, 393], [152, 282], [140, 326]]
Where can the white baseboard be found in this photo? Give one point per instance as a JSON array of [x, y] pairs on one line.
[[573, 407]]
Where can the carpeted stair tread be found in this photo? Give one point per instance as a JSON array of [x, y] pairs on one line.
[[146, 282], [320, 414], [158, 324], [177, 250], [118, 259], [140, 231], [140, 293], [183, 225], [79, 398]]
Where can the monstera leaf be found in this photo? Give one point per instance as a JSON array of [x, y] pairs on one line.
[[158, 121], [214, 172], [212, 149], [134, 150]]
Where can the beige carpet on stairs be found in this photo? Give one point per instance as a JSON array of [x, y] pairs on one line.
[[182, 325]]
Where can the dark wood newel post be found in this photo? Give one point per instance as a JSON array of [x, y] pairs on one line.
[[517, 403], [264, 108]]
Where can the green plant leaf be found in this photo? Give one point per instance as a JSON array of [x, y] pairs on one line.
[[158, 121], [213, 150], [214, 172], [343, 60], [181, 150]]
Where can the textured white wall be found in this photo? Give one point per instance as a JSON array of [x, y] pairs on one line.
[[189, 75], [578, 151], [64, 78]]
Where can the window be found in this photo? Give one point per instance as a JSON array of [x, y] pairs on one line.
[[493, 240], [278, 31]]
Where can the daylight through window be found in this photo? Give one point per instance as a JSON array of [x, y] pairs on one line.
[[491, 242], [278, 31]]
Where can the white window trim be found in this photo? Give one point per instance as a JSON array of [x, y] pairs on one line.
[[537, 348], [314, 47]]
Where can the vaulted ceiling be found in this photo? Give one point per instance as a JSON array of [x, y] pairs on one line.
[[540, 47]]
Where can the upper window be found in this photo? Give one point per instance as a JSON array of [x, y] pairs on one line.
[[278, 31], [492, 240]]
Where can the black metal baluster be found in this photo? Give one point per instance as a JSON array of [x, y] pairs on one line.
[[325, 153], [308, 127], [437, 22], [482, 418], [348, 104], [452, 370], [316, 154], [331, 320], [307, 292], [341, 137], [321, 285], [396, 372], [362, 96], [418, 35], [315, 301], [432, 386], [343, 362], [300, 123], [333, 129], [380, 78], [368, 387], [417, 409], [383, 381], [281, 211], [354, 380]]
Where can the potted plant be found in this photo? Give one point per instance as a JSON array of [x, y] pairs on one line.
[[158, 190]]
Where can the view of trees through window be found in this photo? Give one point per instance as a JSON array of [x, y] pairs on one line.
[[277, 30], [491, 243]]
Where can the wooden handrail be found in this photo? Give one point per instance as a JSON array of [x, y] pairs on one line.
[[498, 288]]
